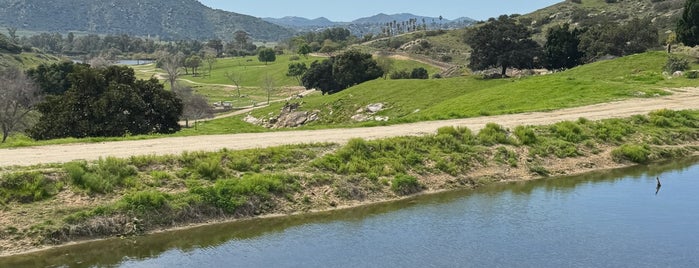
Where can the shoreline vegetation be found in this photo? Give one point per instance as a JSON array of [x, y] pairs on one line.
[[51, 205]]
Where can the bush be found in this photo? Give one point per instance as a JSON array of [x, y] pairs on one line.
[[493, 134], [27, 187], [526, 135], [405, 185], [419, 73], [675, 64], [402, 74], [144, 201], [569, 131], [637, 153], [692, 74], [102, 176], [210, 169]]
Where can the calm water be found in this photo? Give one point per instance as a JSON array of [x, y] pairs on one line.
[[611, 219]]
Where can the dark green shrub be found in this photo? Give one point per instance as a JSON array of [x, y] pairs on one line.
[[404, 185], [27, 187], [419, 73], [692, 74], [402, 74], [637, 153]]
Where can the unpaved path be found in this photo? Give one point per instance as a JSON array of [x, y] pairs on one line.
[[687, 98]]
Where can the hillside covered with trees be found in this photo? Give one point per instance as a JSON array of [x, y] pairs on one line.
[[167, 19]]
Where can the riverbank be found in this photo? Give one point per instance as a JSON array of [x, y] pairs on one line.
[[151, 194]]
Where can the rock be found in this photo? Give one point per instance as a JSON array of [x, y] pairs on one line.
[[360, 117], [678, 74], [381, 118], [252, 120], [374, 108], [293, 119]]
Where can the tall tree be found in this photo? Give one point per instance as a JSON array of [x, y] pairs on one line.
[[236, 77], [267, 55], [561, 48], [320, 76], [210, 61], [304, 49], [269, 85], [502, 43], [634, 36], [52, 78], [18, 96], [688, 25], [241, 39], [171, 64], [216, 45], [340, 72], [193, 62], [296, 70], [108, 102], [354, 67]]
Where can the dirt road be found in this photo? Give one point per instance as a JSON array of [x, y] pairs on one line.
[[687, 98]]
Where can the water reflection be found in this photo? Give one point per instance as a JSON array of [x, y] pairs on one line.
[[483, 208]]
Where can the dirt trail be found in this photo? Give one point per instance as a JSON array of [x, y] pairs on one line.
[[687, 98]]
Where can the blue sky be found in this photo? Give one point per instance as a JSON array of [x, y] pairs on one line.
[[348, 10]]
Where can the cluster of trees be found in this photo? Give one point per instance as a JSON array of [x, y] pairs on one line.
[[416, 73], [326, 41], [505, 43], [112, 46], [337, 73], [81, 101]]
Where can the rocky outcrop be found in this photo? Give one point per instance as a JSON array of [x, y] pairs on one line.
[[368, 113], [289, 117]]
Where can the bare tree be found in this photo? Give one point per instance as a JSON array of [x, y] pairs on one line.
[[210, 59], [171, 65], [18, 96], [269, 86], [236, 77], [195, 106]]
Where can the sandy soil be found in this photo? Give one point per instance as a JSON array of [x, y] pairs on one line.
[[686, 98]]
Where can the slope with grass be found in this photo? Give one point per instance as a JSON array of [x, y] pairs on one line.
[[419, 100], [26, 60]]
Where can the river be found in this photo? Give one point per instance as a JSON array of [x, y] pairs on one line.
[[605, 219]]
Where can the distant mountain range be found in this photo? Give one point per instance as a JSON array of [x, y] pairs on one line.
[[180, 20], [302, 24], [167, 19]]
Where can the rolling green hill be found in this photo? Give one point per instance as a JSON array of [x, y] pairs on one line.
[[168, 19], [419, 100], [664, 13]]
